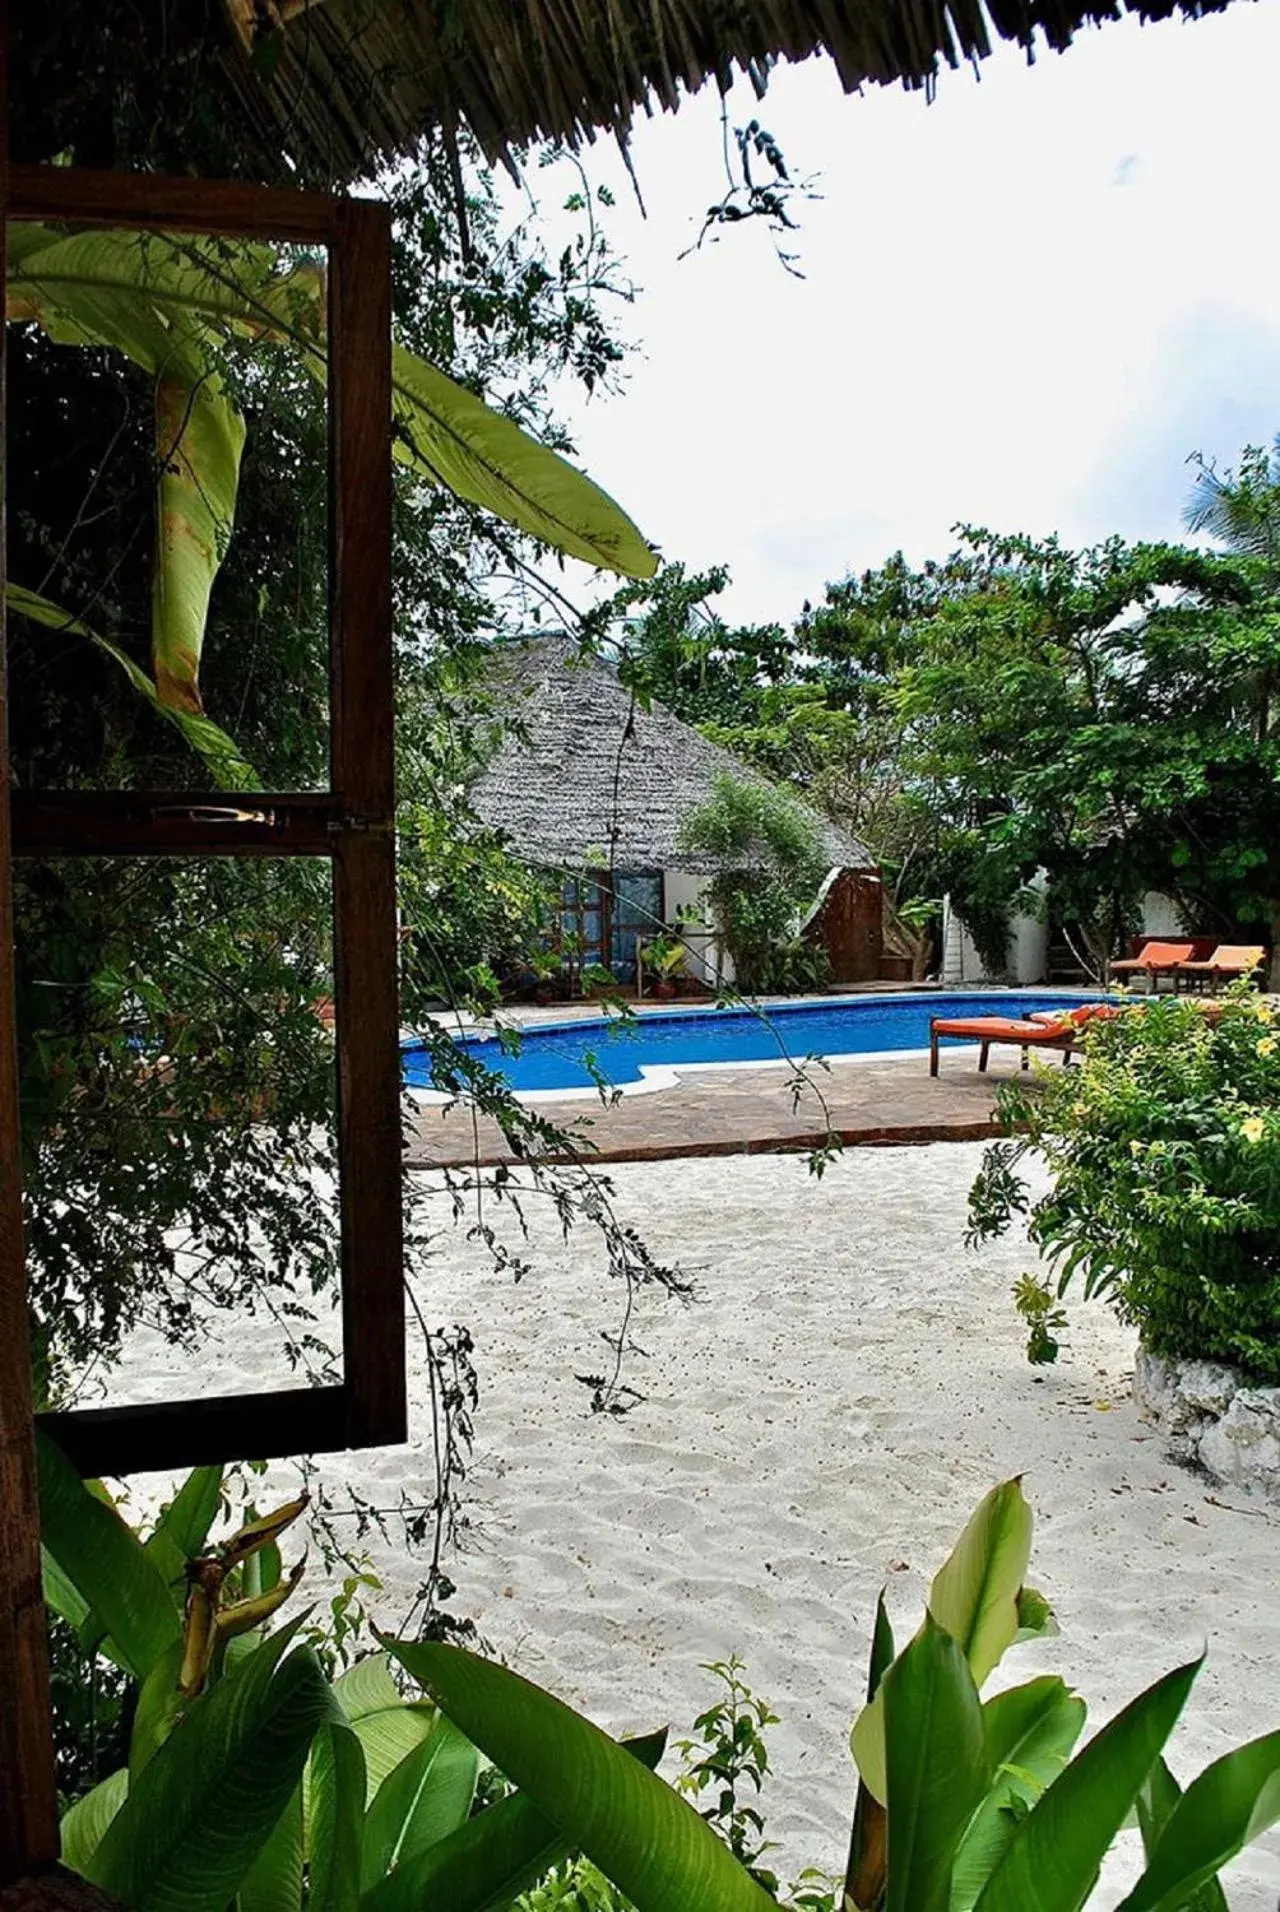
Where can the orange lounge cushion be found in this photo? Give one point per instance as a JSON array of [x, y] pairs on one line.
[[995, 1029], [1079, 1018], [1240, 957], [1158, 956]]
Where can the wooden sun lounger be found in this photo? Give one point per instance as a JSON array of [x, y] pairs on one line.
[[1044, 1029], [1228, 961], [986, 1030], [1156, 959]]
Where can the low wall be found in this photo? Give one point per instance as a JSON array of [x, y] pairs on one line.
[[1212, 1417]]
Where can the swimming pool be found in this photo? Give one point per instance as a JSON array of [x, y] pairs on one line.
[[662, 1044]]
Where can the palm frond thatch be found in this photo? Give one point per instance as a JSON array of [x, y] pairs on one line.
[[359, 80], [589, 779]]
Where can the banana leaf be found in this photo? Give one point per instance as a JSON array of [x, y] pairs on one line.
[[335, 1815], [425, 1798], [209, 1801], [937, 1767], [1231, 1803], [84, 1824], [641, 1834], [1052, 1860], [106, 1563], [978, 1597], [170, 304], [227, 768], [487, 1863], [387, 1726], [1031, 1731]]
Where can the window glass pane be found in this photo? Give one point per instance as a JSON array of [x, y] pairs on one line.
[[178, 1109], [167, 511]]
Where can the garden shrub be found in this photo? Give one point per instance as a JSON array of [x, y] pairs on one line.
[[774, 865], [1164, 1148]]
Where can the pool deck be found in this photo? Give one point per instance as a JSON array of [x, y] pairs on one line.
[[748, 1111]]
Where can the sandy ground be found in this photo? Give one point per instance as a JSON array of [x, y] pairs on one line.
[[817, 1423]]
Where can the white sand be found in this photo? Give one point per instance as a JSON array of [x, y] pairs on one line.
[[820, 1421]]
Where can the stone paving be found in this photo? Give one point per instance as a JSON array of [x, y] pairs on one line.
[[748, 1110]]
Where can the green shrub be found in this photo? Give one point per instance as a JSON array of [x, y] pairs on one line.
[[774, 863], [1164, 1148]]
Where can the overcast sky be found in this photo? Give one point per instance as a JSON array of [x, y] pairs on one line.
[[1023, 306]]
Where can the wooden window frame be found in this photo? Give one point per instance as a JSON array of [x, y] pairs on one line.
[[351, 824]]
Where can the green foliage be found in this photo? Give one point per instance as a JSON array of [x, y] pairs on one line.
[[775, 864], [263, 1784], [732, 1759], [1164, 1148], [273, 1787]]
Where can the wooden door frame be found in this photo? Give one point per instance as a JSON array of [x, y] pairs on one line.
[[352, 824]]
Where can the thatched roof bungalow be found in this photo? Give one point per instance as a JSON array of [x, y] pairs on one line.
[[590, 783]]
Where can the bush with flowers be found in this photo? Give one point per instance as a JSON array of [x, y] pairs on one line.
[[1163, 1147]]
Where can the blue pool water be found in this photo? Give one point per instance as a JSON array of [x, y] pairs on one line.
[[551, 1053]]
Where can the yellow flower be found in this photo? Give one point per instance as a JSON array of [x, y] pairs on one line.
[[1267, 1047], [1253, 1128], [1079, 1108], [1135, 1148], [1264, 1012]]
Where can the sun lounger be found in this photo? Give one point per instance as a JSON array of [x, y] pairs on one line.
[[1060, 1029], [1155, 959], [986, 1030], [1228, 961]]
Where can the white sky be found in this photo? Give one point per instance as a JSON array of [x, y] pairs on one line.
[[1024, 306]]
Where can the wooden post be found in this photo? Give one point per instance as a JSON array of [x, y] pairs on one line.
[[28, 1795]]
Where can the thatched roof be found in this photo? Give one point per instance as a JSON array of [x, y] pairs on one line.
[[595, 781], [354, 80]]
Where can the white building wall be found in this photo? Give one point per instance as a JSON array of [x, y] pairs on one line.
[[1160, 915], [1026, 961], [683, 890]]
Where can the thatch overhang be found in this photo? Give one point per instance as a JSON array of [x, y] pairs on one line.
[[592, 780], [359, 80]]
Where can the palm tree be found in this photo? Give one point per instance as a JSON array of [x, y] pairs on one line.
[[1240, 510]]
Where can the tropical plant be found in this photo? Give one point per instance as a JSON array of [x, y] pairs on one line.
[[172, 305], [771, 862], [963, 1805], [664, 957], [252, 1777], [1164, 1153]]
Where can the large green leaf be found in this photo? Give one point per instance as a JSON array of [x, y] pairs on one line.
[[1053, 1858], [85, 1823], [428, 1796], [106, 1563], [161, 1704], [975, 1593], [639, 1832], [448, 435], [273, 1882], [1159, 1795], [118, 288], [228, 769], [976, 1597], [199, 439], [868, 1843], [183, 1527], [207, 1803], [335, 1816], [487, 1863], [178, 1534], [937, 1766], [387, 1726], [1231, 1803], [1031, 1731]]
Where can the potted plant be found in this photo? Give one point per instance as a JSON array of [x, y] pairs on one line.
[[663, 958]]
